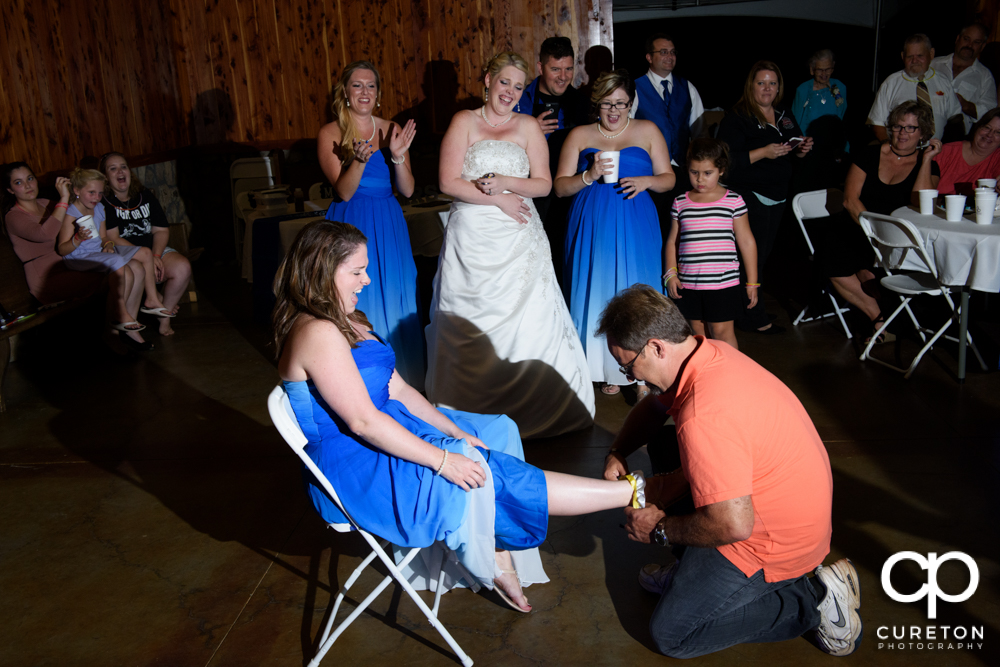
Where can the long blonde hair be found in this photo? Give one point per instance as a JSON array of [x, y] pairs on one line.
[[80, 177], [305, 281], [348, 128]]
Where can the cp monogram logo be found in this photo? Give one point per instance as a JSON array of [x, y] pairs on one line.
[[930, 590]]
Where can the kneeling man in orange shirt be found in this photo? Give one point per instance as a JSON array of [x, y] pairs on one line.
[[759, 479]]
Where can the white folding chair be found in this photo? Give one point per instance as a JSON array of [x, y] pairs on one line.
[[893, 238], [806, 206], [285, 421], [246, 174]]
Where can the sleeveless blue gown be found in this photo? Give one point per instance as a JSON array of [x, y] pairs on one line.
[[611, 243], [407, 503], [390, 302]]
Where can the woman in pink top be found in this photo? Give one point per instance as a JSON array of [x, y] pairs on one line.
[[703, 267], [33, 224], [962, 163]]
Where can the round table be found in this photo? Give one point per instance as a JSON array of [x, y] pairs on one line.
[[965, 254]]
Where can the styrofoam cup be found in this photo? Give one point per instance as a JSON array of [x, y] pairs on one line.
[[987, 183], [927, 198], [87, 222], [986, 202], [954, 207], [616, 156]]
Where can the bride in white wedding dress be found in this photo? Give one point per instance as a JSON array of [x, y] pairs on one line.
[[501, 340]]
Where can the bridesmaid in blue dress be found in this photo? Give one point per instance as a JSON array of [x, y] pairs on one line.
[[613, 237], [404, 470], [355, 152]]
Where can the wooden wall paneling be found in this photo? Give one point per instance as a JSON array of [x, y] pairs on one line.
[[16, 132], [116, 57], [239, 70], [56, 90], [192, 62], [268, 103], [165, 122]]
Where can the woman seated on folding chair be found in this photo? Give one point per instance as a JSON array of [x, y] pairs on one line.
[[882, 178], [405, 470]]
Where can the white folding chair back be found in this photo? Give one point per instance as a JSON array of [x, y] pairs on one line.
[[316, 191], [246, 174], [807, 206], [893, 239], [285, 421]]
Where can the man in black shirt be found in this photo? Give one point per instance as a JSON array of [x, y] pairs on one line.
[[558, 107]]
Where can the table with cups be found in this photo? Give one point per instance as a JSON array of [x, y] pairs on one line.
[[964, 247]]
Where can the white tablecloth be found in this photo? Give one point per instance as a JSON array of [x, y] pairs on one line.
[[425, 223], [964, 253]]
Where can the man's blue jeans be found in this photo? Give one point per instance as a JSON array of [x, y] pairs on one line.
[[711, 605]]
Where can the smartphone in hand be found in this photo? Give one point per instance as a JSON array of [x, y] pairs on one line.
[[794, 142]]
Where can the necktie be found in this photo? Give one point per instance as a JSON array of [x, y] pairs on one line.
[[666, 93], [924, 95]]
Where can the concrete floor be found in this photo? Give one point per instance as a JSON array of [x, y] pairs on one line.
[[153, 516]]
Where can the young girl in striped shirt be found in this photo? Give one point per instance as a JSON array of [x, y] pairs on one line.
[[703, 267]]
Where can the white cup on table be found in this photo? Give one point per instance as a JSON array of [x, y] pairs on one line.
[[927, 198], [986, 202], [616, 157], [990, 183], [954, 207]]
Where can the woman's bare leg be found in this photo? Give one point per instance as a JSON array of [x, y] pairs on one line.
[[132, 273], [698, 327], [570, 495], [850, 288], [145, 257], [118, 283]]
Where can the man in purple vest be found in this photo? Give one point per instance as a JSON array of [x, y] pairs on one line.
[[674, 105]]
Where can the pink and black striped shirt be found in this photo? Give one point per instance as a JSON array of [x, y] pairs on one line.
[[706, 256]]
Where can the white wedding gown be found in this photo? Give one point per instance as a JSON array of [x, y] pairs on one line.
[[501, 340]]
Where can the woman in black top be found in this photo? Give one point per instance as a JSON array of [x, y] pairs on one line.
[[758, 134], [135, 217], [882, 179]]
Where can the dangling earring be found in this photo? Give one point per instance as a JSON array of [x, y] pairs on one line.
[[348, 103], [486, 95], [378, 104]]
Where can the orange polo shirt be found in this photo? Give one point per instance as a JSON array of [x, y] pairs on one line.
[[742, 432]]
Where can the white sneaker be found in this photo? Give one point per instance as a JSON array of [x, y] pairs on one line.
[[655, 577], [839, 631]]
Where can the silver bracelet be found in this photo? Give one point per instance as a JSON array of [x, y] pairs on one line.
[[443, 461], [401, 161]]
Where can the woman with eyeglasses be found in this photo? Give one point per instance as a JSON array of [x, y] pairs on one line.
[[882, 178], [822, 95], [962, 163], [613, 237]]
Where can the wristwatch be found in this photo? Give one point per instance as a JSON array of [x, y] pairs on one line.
[[660, 538]]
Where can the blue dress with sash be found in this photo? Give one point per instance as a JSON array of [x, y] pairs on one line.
[[390, 302], [407, 503]]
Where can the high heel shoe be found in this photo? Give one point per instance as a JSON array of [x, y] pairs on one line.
[[638, 482]]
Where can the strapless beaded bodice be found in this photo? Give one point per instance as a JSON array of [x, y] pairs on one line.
[[499, 157]]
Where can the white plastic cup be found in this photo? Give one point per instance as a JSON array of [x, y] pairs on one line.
[[986, 202], [954, 207], [927, 198], [987, 183], [616, 156], [87, 222]]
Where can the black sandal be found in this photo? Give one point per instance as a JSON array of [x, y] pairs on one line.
[[885, 336]]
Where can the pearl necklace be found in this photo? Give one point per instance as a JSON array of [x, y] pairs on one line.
[[373, 129], [612, 136], [509, 116]]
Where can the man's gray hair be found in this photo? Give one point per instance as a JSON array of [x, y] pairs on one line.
[[639, 314], [918, 38], [822, 54]]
